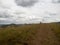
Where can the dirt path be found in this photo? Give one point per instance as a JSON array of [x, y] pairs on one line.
[[44, 36]]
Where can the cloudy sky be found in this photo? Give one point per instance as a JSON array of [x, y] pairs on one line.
[[29, 11]]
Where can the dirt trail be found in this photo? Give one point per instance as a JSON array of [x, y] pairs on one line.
[[44, 36]]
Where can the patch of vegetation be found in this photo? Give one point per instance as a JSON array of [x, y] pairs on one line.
[[17, 35], [22, 35], [56, 28]]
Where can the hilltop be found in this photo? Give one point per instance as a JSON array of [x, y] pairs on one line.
[[31, 34]]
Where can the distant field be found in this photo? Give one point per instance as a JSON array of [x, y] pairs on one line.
[[31, 34]]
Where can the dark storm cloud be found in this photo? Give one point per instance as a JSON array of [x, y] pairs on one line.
[[25, 3], [56, 1]]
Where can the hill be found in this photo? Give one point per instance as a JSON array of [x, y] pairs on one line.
[[31, 34]]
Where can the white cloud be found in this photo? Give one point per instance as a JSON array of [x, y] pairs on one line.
[[34, 14]]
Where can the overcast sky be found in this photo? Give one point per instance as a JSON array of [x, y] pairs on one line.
[[29, 11]]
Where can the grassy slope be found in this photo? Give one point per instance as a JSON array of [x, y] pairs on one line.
[[35, 34], [56, 29]]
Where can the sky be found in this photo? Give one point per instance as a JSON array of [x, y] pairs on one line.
[[29, 11]]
